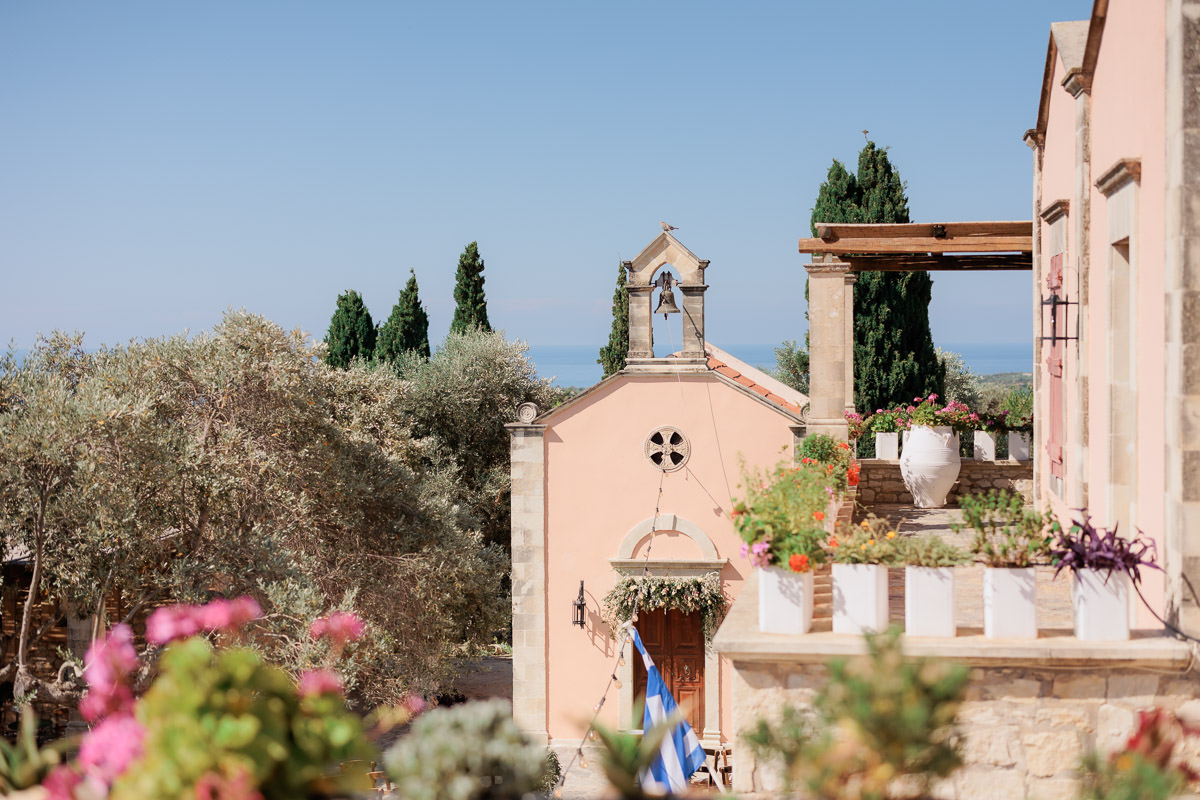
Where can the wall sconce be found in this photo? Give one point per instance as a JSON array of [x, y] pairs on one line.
[[578, 608]]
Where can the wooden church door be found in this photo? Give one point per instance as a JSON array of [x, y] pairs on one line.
[[675, 640]]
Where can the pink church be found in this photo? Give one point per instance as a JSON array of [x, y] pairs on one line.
[[646, 460]]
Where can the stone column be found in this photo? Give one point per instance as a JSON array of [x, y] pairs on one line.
[[851, 279], [1182, 274], [1079, 251], [693, 320], [80, 625], [641, 332], [827, 348], [528, 465]]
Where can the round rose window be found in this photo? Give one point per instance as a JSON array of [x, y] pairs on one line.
[[667, 448]]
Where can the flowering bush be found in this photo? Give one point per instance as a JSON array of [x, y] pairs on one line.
[[216, 723], [690, 595], [834, 457], [871, 542], [1153, 765], [856, 425], [783, 513]]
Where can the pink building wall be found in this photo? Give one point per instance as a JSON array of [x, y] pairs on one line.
[[1127, 120], [599, 485]]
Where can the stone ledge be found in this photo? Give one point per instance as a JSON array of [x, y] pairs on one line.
[[739, 639]]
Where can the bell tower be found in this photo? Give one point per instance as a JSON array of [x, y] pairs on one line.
[[644, 277]]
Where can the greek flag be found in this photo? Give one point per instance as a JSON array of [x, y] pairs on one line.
[[681, 753]]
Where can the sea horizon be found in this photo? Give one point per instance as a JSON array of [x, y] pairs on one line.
[[575, 365]]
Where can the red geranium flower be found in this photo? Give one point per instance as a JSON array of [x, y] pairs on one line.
[[818, 515], [798, 562]]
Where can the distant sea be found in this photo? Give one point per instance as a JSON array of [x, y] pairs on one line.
[[575, 365]]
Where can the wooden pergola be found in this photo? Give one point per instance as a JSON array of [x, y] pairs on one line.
[[840, 251]]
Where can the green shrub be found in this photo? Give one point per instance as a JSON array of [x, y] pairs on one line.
[[1007, 534], [880, 717], [474, 750]]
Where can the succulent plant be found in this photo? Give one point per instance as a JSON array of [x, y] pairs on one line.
[[1085, 546]]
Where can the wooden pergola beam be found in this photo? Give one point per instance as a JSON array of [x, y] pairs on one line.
[[921, 237], [936, 262]]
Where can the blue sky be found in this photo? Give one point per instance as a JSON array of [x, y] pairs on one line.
[[160, 162]]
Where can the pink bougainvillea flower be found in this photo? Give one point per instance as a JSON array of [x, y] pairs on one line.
[[319, 681], [215, 786], [109, 748], [414, 704], [169, 623], [228, 615], [61, 783], [108, 665], [339, 627]]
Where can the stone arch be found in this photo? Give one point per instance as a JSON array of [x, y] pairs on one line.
[[667, 522]]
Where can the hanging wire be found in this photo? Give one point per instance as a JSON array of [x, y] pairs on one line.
[[622, 639]]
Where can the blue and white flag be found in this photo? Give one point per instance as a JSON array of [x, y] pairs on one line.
[[681, 753]]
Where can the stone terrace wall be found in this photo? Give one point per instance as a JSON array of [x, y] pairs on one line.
[[880, 482], [1025, 728]]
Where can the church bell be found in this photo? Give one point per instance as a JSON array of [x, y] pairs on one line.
[[666, 303]]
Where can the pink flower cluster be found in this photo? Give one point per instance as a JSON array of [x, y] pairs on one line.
[[169, 623], [109, 665], [116, 740], [758, 553], [319, 681], [340, 628]]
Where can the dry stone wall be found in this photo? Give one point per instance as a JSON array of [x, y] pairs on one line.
[[880, 482], [1024, 729]]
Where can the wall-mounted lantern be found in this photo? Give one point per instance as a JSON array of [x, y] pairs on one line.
[[579, 608]]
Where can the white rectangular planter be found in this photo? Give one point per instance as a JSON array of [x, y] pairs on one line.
[[1010, 603], [1101, 609], [785, 600], [1018, 446], [929, 601], [985, 446], [860, 598], [887, 445]]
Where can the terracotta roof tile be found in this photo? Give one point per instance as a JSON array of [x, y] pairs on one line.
[[717, 365]]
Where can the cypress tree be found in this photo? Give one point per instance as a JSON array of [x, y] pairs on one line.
[[894, 357], [612, 355], [407, 328], [470, 311], [351, 332]]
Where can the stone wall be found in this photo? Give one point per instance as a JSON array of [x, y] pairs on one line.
[[880, 482], [1025, 728]]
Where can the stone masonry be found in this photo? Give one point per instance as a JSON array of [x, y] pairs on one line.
[[1024, 728], [880, 482]]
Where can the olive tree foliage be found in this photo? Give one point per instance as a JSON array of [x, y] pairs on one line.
[[237, 462], [791, 365], [458, 403], [961, 383]]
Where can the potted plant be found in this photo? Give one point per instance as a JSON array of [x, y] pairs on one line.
[[782, 524], [861, 555], [929, 585], [1010, 539], [930, 462], [1103, 565], [886, 425], [1019, 433], [990, 426]]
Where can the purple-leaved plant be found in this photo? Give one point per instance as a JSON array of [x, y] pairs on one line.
[[1084, 546]]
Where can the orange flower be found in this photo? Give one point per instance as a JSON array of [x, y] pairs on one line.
[[833, 543], [798, 562], [843, 445], [818, 515]]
